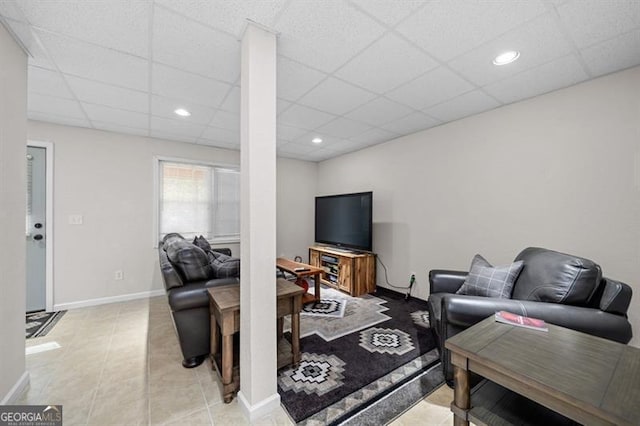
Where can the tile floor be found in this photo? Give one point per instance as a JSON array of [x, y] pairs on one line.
[[120, 364]]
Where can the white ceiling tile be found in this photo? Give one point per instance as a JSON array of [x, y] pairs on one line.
[[59, 119], [110, 127], [232, 101], [297, 148], [96, 63], [47, 82], [386, 64], [613, 55], [295, 79], [165, 107], [29, 39], [226, 120], [538, 41], [281, 106], [446, 29], [464, 105], [432, 88], [343, 128], [108, 95], [327, 141], [592, 21], [324, 34], [9, 9], [218, 144], [56, 106], [374, 136], [178, 84], [221, 135], [338, 97], [320, 154], [554, 75], [412, 123], [176, 127], [388, 11], [200, 50], [229, 16], [120, 25], [288, 133], [303, 117], [157, 134], [379, 111], [116, 116]]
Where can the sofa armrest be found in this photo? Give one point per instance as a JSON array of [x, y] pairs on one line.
[[443, 281], [464, 311], [170, 276], [224, 250]]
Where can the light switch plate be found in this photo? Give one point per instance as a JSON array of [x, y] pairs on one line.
[[75, 219]]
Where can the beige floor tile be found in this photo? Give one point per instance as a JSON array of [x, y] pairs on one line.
[[122, 409], [199, 418], [277, 418], [227, 414], [441, 396], [423, 413], [172, 401]]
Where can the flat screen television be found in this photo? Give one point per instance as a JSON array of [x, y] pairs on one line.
[[345, 220]]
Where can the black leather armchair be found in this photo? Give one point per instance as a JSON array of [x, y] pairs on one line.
[[187, 275], [561, 289]]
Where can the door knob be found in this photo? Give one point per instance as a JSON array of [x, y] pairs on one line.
[[38, 237], [37, 225]]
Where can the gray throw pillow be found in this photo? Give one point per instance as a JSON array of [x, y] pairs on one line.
[[189, 260], [202, 243], [489, 281]]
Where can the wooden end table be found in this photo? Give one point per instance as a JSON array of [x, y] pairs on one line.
[[290, 266], [224, 307], [588, 379]]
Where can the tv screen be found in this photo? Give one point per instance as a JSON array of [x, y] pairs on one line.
[[345, 220]]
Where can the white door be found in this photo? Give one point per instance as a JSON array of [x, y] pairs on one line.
[[36, 229]]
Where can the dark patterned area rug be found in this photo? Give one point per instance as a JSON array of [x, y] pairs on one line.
[[350, 364], [40, 323]]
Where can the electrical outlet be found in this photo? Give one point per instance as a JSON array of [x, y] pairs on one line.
[[75, 219], [118, 275]]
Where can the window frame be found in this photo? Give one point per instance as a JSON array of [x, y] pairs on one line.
[[156, 193]]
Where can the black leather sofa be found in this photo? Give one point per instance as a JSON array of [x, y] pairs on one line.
[[559, 288], [187, 271]]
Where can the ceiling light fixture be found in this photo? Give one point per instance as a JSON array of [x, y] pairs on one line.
[[316, 140], [506, 57], [182, 112]]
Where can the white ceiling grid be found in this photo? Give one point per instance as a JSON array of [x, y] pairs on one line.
[[354, 72]]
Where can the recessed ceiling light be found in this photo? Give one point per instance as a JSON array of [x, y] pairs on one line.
[[506, 57], [182, 112], [316, 140]]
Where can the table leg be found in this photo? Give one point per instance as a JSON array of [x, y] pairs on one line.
[[295, 330], [461, 395], [227, 364], [316, 281], [280, 325], [215, 344]]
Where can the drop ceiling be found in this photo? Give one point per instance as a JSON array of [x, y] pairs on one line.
[[354, 73]]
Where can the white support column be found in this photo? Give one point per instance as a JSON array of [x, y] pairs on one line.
[[258, 393]]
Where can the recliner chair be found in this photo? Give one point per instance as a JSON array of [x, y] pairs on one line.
[[559, 288]]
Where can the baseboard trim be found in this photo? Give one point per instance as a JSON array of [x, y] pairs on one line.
[[105, 300], [17, 389], [262, 408]]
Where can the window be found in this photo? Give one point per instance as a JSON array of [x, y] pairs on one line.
[[198, 199]]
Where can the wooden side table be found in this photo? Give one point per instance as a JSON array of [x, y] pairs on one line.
[[224, 307], [290, 266]]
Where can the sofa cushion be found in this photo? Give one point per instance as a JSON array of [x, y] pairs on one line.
[[191, 261], [202, 243], [550, 276], [224, 266], [489, 281]]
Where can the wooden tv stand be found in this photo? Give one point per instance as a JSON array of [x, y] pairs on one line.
[[354, 273]]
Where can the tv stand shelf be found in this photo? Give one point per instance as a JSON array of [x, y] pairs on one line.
[[354, 273]]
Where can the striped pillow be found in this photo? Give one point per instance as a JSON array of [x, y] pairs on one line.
[[489, 281]]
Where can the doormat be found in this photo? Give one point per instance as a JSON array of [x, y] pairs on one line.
[[341, 376], [40, 323]]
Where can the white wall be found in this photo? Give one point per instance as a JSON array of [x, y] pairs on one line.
[[296, 189], [13, 135], [108, 178], [559, 171]]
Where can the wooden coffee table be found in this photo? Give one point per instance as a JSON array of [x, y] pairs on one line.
[[291, 266], [588, 379], [224, 306]]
